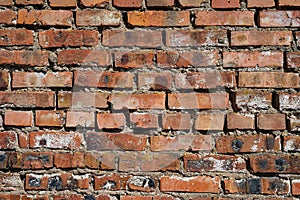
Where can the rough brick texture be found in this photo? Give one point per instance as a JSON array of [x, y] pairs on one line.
[[149, 99]]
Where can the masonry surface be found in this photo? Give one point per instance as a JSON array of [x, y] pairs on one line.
[[149, 99]]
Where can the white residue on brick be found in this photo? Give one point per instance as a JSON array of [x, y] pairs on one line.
[[289, 145], [56, 140]]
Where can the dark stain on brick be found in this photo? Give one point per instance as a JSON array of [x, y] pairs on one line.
[[34, 182], [125, 59], [55, 183], [236, 145], [105, 79], [263, 164], [161, 83], [60, 37], [43, 142], [149, 182], [45, 158], [270, 143], [280, 164], [254, 186], [2, 157], [200, 164], [89, 197]]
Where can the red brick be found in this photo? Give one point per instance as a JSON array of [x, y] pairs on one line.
[[289, 101], [275, 163], [160, 3], [293, 59], [291, 143], [128, 4], [113, 141], [28, 99], [32, 160], [8, 17], [159, 18], [8, 140], [225, 4], [82, 100], [214, 163], [247, 143], [63, 4], [275, 18], [274, 185], [260, 4], [16, 37], [69, 160], [24, 57], [10, 182], [224, 18], [253, 99], [238, 121], [253, 59], [261, 38], [143, 120], [94, 3], [233, 186], [296, 187], [45, 17], [138, 101], [210, 121], [268, 80], [49, 118], [206, 80], [181, 142], [148, 162], [35, 79], [132, 38], [155, 81], [5, 2], [176, 121], [198, 101], [101, 182], [288, 3], [271, 121], [83, 119], [55, 140], [86, 57], [4, 79], [68, 38], [129, 60], [103, 79], [29, 2], [18, 118], [192, 58], [192, 3], [36, 182], [110, 120], [191, 38], [23, 140], [81, 181], [200, 184], [104, 160], [98, 18]]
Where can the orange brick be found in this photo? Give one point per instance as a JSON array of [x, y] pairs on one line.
[[160, 3], [192, 3], [18, 118], [288, 3], [143, 120], [176, 121], [225, 4], [260, 4], [83, 119], [49, 118], [63, 4], [296, 187], [94, 3], [5, 2], [29, 2], [110, 120], [210, 122], [98, 18], [7, 17]]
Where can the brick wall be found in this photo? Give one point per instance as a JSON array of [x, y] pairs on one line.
[[149, 99]]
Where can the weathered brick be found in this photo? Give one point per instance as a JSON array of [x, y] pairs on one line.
[[8, 140], [82, 119], [10, 182], [49, 118], [111, 141], [296, 187], [119, 182], [288, 3], [293, 59], [260, 4], [4, 79], [268, 80], [29, 2], [27, 99], [16, 37], [18, 118], [289, 101], [94, 3], [69, 160], [181, 142], [294, 123], [261, 38], [36, 182], [192, 3], [103, 79], [159, 18], [55, 140], [198, 101], [129, 60], [213, 121], [68, 38], [188, 38], [128, 4], [238, 121], [274, 185], [275, 18], [176, 121], [247, 143], [155, 81], [253, 59], [276, 121], [143, 120], [98, 18], [98, 160], [132, 38], [63, 4], [36, 79], [81, 181], [45, 17], [213, 163], [110, 120], [224, 18], [23, 140], [5, 2], [298, 38], [84, 57], [8, 17], [190, 184], [206, 80], [225, 4], [253, 99], [32, 160], [138, 101], [24, 57], [160, 3]]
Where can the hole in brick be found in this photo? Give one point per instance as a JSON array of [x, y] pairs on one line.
[[236, 145], [149, 183], [262, 164], [105, 79], [109, 185], [89, 197], [45, 158], [34, 182], [144, 182], [280, 164], [254, 186], [124, 59], [4, 38], [43, 142], [55, 183]]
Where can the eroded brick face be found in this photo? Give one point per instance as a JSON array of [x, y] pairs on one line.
[[149, 99]]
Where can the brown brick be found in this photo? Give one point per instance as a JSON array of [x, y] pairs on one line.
[[293, 59], [104, 160], [29, 2], [18, 118], [83, 119], [288, 3], [49, 118], [261, 38], [128, 4], [4, 79], [191, 38], [16, 37], [247, 143], [5, 2], [94, 3], [176, 121], [274, 185], [260, 4], [210, 121], [129, 60], [275, 18], [132, 38], [160, 3], [253, 99], [155, 81], [143, 120], [98, 18], [159, 18], [55, 140], [24, 57], [253, 59], [225, 4], [63, 4], [45, 17], [8, 17], [268, 80], [271, 121], [8, 140], [32, 160], [199, 184], [68, 38], [192, 3], [35, 79], [296, 187], [224, 18], [110, 120], [237, 121], [198, 101], [181, 142]]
